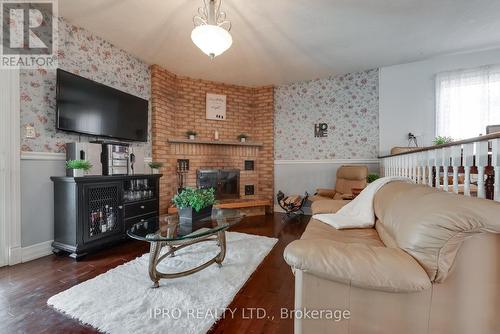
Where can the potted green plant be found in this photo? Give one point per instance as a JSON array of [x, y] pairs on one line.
[[194, 204], [242, 137], [440, 140], [155, 167], [77, 168], [372, 177], [191, 134]]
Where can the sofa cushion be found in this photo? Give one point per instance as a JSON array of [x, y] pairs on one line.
[[359, 265], [327, 206], [430, 225], [319, 230]]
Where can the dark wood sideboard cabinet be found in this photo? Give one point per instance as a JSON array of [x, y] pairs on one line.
[[92, 212]]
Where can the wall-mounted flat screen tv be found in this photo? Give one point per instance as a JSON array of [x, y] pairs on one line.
[[87, 107]]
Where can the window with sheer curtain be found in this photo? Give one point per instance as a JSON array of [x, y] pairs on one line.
[[467, 101]]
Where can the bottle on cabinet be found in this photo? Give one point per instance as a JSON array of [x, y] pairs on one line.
[[102, 222], [110, 219], [92, 224]]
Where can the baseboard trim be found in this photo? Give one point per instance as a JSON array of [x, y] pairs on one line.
[[36, 251], [43, 156], [15, 255], [327, 161]]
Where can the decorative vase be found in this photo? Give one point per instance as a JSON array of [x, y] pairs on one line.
[[188, 217], [155, 171], [191, 137], [75, 172], [243, 139]]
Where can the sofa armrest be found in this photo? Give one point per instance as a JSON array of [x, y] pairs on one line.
[[363, 266], [325, 192]]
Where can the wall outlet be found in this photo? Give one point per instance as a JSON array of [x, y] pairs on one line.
[[30, 132]]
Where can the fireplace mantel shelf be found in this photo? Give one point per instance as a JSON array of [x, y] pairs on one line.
[[213, 142]]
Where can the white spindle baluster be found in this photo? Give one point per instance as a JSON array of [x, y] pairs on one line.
[[495, 162], [402, 162], [401, 166], [438, 163], [456, 162], [425, 168], [418, 169], [421, 158], [468, 162], [408, 166], [430, 163], [446, 154], [481, 163], [414, 164]]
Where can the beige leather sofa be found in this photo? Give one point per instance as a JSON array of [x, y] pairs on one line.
[[348, 177], [430, 265]]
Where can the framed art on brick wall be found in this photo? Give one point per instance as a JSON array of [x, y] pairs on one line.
[[216, 107]]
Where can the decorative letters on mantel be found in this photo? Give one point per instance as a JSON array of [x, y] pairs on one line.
[[216, 107]]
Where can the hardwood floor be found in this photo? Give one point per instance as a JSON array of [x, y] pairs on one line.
[[25, 288]]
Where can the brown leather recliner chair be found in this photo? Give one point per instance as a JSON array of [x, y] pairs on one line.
[[331, 200]]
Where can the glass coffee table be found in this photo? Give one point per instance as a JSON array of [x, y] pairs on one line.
[[168, 231]]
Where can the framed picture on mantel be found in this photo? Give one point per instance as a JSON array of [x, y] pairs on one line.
[[216, 107]]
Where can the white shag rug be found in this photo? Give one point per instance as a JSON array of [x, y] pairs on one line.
[[122, 300]]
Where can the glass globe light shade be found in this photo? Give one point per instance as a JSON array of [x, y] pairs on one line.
[[211, 39]]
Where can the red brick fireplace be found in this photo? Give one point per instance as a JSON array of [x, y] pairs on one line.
[[178, 105]]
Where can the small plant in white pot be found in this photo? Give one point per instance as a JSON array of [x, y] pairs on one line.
[[191, 134], [155, 167], [242, 137], [77, 168]]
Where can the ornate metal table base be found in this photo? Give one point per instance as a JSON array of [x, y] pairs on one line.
[[174, 246]]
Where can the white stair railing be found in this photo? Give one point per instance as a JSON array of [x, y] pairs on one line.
[[474, 164], [495, 162]]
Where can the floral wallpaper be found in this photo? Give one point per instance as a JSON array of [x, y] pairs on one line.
[[348, 104], [87, 55]]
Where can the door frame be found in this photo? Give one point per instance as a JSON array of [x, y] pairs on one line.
[[10, 170]]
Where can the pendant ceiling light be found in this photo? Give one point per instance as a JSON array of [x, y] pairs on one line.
[[211, 29]]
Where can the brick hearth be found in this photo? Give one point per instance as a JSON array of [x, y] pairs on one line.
[[178, 105]]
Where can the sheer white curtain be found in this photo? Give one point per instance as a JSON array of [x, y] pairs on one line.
[[467, 101]]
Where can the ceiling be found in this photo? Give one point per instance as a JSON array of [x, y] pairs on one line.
[[282, 41]]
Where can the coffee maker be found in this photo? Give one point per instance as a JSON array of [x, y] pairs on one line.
[[115, 159]]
